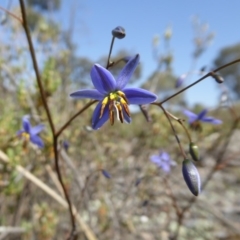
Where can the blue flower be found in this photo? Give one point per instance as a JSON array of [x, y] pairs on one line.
[[201, 117], [113, 95], [163, 161], [31, 133]]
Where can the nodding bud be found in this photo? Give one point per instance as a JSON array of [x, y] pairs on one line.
[[191, 177], [180, 80], [138, 181], [119, 32], [217, 77], [106, 174], [193, 150]]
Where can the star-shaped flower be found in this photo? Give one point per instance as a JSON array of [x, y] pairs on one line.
[[195, 119], [113, 95], [163, 161], [192, 117], [31, 133]]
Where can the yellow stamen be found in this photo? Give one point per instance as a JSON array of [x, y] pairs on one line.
[[117, 103], [104, 103], [26, 136]]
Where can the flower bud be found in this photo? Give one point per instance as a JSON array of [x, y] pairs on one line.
[[193, 150], [138, 181], [191, 176], [119, 32], [65, 145], [217, 77], [105, 173], [180, 80]]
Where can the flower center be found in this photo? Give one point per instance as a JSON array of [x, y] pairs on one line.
[[117, 103], [25, 136]]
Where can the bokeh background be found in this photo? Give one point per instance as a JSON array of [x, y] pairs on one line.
[[176, 40]]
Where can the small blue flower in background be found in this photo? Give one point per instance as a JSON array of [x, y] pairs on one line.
[[201, 117], [163, 161], [112, 95], [66, 145], [31, 133]]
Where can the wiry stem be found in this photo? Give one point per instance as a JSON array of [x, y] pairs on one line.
[[12, 14], [43, 98], [110, 52], [173, 129], [199, 80], [73, 117]]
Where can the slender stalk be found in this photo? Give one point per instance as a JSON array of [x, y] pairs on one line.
[[174, 131], [35, 65], [181, 122], [199, 80], [58, 133], [12, 14], [43, 98], [110, 52]]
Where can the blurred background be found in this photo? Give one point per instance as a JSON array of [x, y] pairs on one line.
[[117, 191]]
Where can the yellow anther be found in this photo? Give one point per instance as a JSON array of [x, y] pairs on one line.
[[26, 136], [117, 103], [104, 103]]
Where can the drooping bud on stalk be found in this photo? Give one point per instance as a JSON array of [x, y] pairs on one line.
[[217, 77], [191, 176], [119, 32], [193, 150]]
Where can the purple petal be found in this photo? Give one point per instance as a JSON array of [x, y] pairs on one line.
[[102, 79], [201, 115], [155, 159], [164, 156], [37, 129], [211, 120], [88, 93], [165, 167], [192, 116], [96, 121], [127, 72], [189, 114], [26, 124], [139, 96], [36, 140]]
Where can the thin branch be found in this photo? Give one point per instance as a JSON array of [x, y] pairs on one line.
[[12, 14], [202, 78], [58, 133], [35, 65]]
